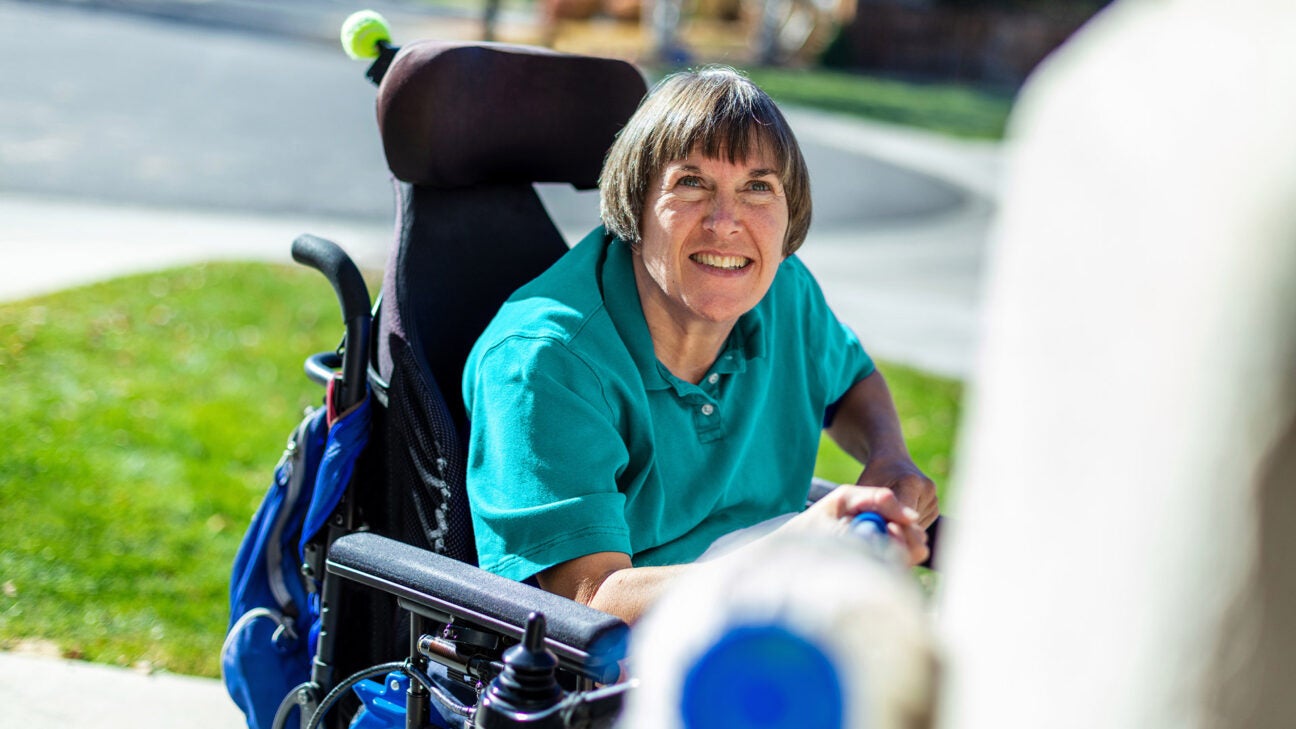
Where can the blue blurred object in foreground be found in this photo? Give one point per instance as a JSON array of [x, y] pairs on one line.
[[762, 676], [869, 525]]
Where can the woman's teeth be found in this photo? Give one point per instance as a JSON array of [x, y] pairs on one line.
[[726, 262]]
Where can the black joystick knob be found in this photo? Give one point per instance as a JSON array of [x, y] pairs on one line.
[[527, 691]]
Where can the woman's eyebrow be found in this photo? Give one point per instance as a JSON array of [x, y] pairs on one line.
[[762, 172]]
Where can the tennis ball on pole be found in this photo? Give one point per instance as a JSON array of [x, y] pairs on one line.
[[362, 32]]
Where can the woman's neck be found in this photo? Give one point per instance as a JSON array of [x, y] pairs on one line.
[[687, 354], [687, 346]]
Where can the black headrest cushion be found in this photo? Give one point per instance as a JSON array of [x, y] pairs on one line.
[[455, 114]]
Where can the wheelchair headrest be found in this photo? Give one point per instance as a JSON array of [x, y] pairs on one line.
[[456, 114]]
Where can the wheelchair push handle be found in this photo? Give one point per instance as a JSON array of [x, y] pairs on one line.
[[329, 259]]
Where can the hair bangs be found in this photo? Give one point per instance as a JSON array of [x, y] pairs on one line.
[[730, 123]]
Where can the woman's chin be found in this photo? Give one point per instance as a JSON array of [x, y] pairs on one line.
[[722, 311]]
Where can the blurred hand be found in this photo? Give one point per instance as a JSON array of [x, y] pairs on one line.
[[909, 484], [832, 515]]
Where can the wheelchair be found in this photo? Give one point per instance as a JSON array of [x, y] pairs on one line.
[[409, 632], [467, 129]]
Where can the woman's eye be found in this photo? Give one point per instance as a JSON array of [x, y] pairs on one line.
[[761, 186], [690, 181]]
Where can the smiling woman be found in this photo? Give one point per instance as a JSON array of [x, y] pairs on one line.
[[666, 382]]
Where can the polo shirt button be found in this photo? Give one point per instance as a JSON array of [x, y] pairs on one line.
[[713, 378], [708, 409]]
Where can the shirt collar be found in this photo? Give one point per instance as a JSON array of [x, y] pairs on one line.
[[621, 298]]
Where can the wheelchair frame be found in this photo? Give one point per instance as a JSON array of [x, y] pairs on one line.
[[503, 642]]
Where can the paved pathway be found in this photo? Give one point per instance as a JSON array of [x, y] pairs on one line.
[[42, 692]]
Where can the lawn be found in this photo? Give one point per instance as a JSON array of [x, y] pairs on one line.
[[950, 109], [143, 418], [954, 110]]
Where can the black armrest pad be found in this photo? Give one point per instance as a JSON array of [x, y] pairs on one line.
[[576, 633]]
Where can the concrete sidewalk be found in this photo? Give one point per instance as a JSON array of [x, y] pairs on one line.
[[53, 244], [39, 692]]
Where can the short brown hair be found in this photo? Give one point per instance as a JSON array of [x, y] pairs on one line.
[[717, 112]]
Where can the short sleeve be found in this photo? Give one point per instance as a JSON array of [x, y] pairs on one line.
[[543, 458], [839, 360]]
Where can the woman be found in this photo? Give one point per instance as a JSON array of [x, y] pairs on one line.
[[665, 383]]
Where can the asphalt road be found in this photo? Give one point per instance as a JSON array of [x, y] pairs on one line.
[[188, 109], [125, 108]]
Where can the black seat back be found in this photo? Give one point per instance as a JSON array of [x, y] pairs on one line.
[[466, 129]]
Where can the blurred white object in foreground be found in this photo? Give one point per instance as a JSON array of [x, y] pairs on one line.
[[791, 632], [1128, 480]]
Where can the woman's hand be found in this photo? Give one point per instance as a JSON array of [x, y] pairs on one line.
[[867, 427], [832, 515], [909, 484]]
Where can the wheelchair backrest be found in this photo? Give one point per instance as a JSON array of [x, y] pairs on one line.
[[466, 129]]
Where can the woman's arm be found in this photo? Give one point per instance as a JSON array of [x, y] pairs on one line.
[[867, 427], [608, 581]]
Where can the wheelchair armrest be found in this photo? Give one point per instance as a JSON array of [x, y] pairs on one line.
[[586, 640]]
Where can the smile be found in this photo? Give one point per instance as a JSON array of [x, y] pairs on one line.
[[728, 263]]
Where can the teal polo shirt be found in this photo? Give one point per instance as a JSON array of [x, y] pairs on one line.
[[582, 442]]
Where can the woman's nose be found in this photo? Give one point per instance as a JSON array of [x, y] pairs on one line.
[[723, 217]]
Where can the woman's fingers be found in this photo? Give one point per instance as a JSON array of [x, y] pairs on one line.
[[913, 538], [834, 512], [857, 499], [919, 492], [904, 522]]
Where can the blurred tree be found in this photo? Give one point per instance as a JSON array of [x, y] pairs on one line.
[[990, 42]]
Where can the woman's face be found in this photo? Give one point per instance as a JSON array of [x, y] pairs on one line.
[[713, 236]]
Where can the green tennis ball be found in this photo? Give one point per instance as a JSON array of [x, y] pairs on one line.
[[361, 33]]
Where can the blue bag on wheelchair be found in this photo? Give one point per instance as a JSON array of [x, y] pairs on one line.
[[274, 613]]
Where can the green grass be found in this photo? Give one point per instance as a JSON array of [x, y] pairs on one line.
[[949, 109], [142, 419], [929, 412]]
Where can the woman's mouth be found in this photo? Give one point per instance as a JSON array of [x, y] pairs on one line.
[[726, 263]]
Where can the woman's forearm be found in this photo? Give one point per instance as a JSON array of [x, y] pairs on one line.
[[866, 424]]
